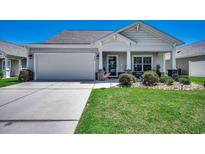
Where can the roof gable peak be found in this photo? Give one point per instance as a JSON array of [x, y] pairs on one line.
[[140, 24]]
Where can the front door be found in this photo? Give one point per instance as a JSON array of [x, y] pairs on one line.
[[112, 65]]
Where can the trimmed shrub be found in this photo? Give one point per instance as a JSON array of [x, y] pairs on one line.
[[182, 76], [1, 74], [150, 78], [169, 81], [185, 81], [26, 75], [126, 79], [164, 79]]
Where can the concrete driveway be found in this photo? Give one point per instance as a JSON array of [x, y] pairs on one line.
[[42, 107]]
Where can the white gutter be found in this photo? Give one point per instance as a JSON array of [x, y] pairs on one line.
[[60, 46]]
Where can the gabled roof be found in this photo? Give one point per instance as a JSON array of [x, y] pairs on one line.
[[12, 49], [195, 49], [77, 37], [88, 37], [139, 24]]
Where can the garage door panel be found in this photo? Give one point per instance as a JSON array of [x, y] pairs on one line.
[[196, 68], [66, 66]]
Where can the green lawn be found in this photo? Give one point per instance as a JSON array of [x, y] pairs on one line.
[[8, 81], [198, 80], [132, 110]]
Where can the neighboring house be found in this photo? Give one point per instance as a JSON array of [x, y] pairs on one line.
[[81, 55], [12, 58], [190, 59]]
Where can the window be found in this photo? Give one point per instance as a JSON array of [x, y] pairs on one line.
[[138, 64], [142, 63], [147, 63]]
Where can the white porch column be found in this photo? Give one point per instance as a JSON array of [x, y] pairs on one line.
[[20, 65], [100, 60], [7, 69], [173, 58], [27, 62], [164, 63], [128, 60]]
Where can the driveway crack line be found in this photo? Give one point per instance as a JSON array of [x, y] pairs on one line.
[[25, 96]]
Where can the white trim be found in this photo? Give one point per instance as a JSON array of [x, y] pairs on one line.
[[189, 68], [7, 69], [34, 65], [60, 46], [20, 65], [164, 64], [100, 59], [116, 36], [27, 62], [116, 64], [142, 61], [59, 53], [154, 30], [128, 60], [94, 75], [126, 39], [173, 59]]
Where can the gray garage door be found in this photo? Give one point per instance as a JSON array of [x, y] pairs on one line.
[[65, 66], [196, 68]]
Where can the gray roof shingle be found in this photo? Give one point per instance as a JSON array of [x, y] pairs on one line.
[[195, 49], [12, 49], [77, 37]]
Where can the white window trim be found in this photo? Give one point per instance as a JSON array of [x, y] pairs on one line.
[[2, 63], [133, 56], [116, 64]]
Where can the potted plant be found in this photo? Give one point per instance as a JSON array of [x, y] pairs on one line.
[[158, 70]]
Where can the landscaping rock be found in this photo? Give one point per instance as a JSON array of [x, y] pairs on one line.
[[174, 86]]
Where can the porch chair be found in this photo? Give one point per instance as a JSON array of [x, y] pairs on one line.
[[105, 76]]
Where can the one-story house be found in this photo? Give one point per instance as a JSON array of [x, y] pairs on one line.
[[82, 55], [12, 58], [190, 59]]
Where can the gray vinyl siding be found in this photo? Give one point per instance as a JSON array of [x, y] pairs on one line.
[[147, 40], [158, 60], [183, 63]]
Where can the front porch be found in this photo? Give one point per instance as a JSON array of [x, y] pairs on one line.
[[12, 59], [117, 62], [11, 66], [135, 48]]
